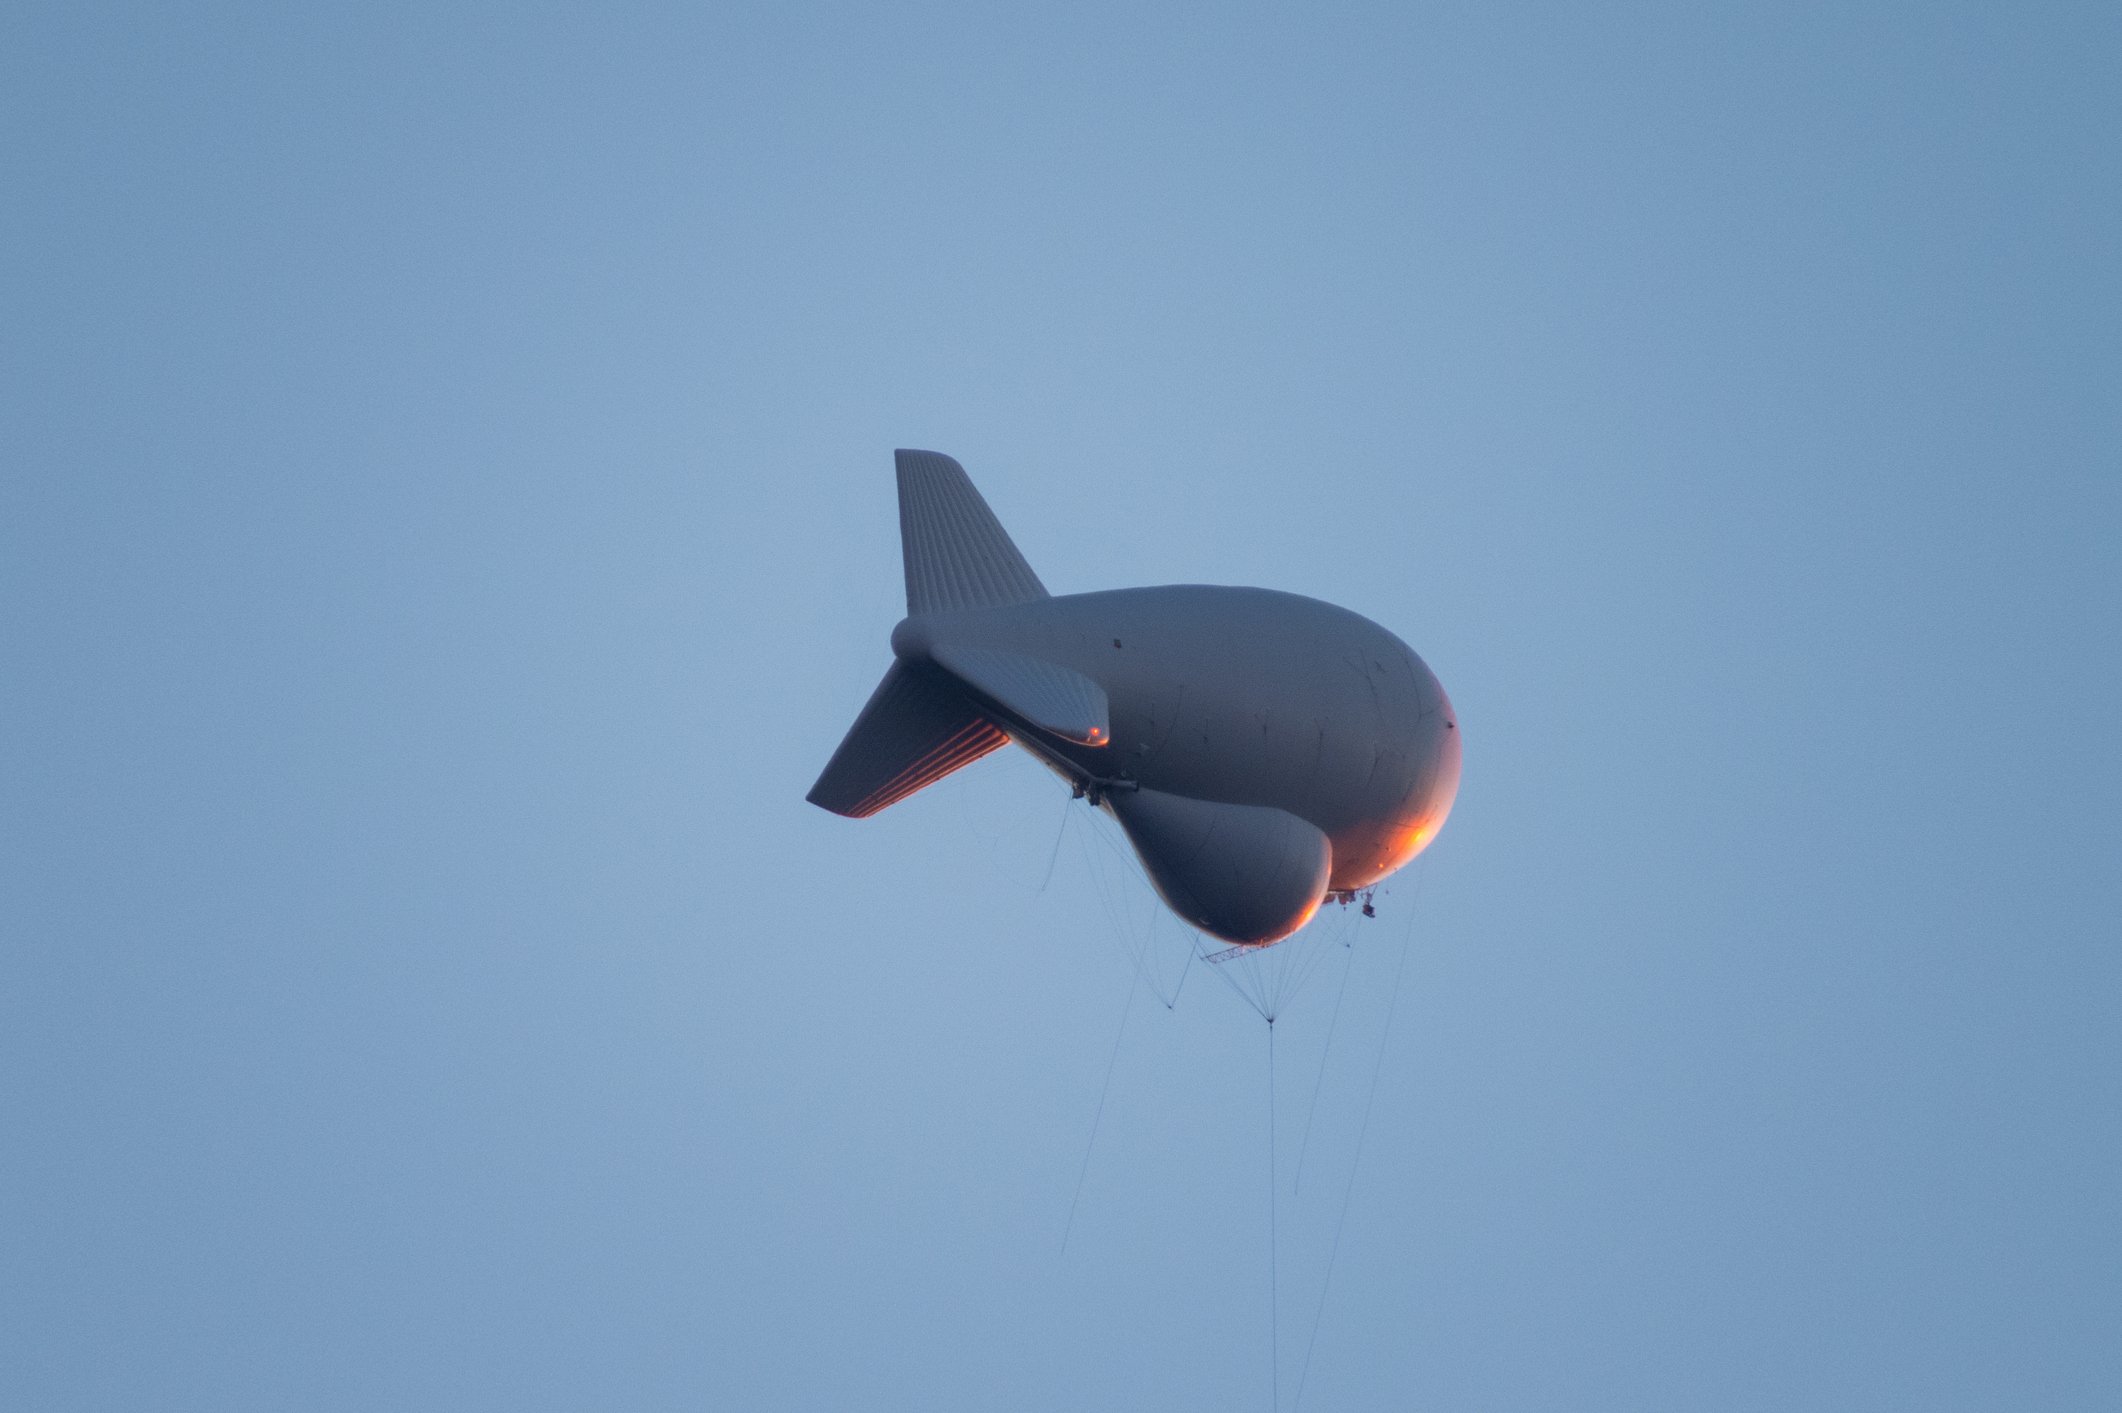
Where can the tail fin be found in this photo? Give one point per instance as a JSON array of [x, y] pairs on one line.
[[957, 553], [917, 728], [920, 725]]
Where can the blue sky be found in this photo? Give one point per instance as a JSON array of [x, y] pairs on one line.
[[447, 522]]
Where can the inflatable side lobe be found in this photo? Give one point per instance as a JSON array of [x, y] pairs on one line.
[[1245, 873]]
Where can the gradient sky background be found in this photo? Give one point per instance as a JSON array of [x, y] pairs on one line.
[[446, 521]]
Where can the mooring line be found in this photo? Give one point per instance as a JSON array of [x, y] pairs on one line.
[[1377, 1068], [1274, 1283], [1103, 1090], [1348, 964]]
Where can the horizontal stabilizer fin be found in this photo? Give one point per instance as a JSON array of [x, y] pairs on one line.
[[957, 554], [1049, 696], [917, 728]]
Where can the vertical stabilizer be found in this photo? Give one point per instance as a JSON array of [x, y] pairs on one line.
[[957, 553]]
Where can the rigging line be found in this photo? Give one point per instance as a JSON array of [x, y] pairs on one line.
[[1142, 954], [1096, 1119], [1223, 974], [1348, 965], [1119, 917], [1308, 963], [1129, 863], [1301, 958], [1274, 1283], [1055, 856], [1326, 1286], [1118, 897], [1152, 959], [1184, 967], [1296, 963]]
